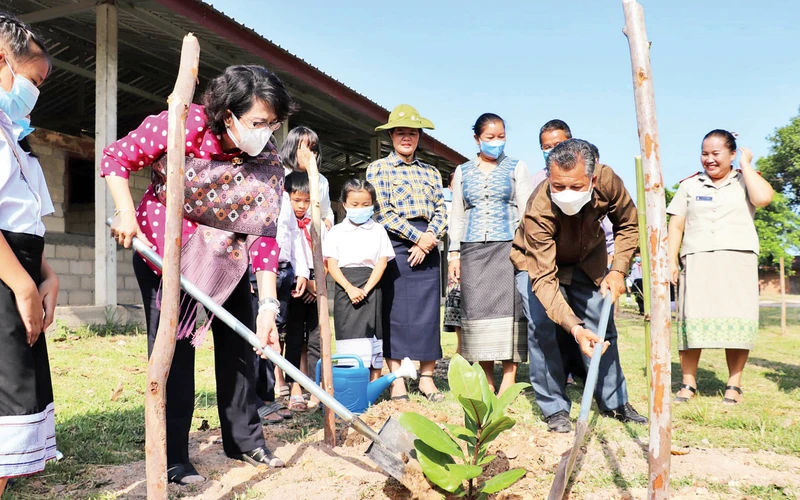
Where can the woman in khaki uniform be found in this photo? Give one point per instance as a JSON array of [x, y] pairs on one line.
[[711, 229]]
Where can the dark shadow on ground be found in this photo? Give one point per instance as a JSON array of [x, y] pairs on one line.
[[707, 380], [786, 376]]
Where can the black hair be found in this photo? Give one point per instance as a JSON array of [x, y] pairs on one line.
[[484, 120], [236, 89], [20, 41], [294, 138], [555, 125], [297, 182], [595, 152], [567, 155], [353, 185], [729, 138]]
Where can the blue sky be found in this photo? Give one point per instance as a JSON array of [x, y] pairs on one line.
[[732, 64]]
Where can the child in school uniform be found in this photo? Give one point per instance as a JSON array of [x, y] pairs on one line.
[[302, 320], [357, 251]]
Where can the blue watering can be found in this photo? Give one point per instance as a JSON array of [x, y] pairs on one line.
[[351, 385]]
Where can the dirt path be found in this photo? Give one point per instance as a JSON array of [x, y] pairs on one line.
[[315, 471]]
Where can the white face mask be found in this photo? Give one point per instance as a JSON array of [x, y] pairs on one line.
[[252, 140], [570, 202]]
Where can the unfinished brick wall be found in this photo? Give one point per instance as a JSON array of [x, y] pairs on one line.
[[69, 242]]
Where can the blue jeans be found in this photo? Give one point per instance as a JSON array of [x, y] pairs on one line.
[[548, 378]]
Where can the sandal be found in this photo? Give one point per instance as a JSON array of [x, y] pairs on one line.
[[274, 413], [404, 397], [434, 397], [298, 403], [184, 474], [729, 401], [682, 399], [282, 392]]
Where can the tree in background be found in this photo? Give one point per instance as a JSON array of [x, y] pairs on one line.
[[782, 167], [778, 225]]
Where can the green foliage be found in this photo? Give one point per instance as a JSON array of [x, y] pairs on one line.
[[778, 228], [782, 167], [445, 462], [670, 193]]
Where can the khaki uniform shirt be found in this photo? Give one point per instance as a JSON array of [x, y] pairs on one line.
[[550, 245], [717, 217]]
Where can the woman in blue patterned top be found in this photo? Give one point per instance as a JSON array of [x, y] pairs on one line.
[[489, 195]]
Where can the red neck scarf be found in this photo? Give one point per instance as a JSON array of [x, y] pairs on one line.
[[303, 224]]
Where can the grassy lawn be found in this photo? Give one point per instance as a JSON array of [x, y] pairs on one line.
[[99, 380]]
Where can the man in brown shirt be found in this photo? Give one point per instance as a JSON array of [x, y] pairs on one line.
[[559, 252]]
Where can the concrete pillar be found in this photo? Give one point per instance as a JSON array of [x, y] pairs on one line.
[[105, 263]]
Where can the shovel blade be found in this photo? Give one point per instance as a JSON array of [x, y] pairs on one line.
[[567, 463], [394, 449]]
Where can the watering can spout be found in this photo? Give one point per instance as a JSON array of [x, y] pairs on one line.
[[374, 389]]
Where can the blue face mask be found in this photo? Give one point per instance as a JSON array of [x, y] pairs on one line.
[[448, 195], [546, 154], [637, 259], [359, 216], [493, 149], [24, 127], [19, 102]]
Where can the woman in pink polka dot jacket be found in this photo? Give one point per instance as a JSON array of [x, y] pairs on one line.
[[227, 146]]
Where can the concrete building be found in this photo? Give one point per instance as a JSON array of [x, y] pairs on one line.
[[114, 63]]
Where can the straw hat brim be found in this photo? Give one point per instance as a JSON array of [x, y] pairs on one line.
[[407, 122]]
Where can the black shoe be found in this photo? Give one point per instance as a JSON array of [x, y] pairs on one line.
[[625, 414], [559, 422], [184, 474], [261, 456]]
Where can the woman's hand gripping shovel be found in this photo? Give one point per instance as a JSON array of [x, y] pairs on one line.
[[392, 449], [564, 470]]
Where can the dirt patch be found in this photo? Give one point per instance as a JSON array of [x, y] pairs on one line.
[[315, 471]]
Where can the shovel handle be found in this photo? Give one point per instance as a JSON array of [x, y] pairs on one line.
[[237, 326], [594, 365]]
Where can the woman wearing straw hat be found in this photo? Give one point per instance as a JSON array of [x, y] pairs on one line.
[[411, 208]]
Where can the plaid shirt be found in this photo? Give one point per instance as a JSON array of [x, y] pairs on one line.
[[408, 191]]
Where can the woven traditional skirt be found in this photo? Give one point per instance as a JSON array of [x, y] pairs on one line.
[[452, 307], [411, 303], [718, 300], [493, 326], [27, 424]]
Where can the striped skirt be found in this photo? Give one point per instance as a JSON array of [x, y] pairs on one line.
[[493, 326], [27, 417], [718, 300]]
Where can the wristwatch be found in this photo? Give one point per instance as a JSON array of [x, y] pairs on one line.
[[269, 304]]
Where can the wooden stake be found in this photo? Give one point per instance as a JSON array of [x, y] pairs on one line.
[[164, 347], [783, 298], [326, 377], [640, 203], [655, 208]]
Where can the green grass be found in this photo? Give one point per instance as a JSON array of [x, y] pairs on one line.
[[88, 365]]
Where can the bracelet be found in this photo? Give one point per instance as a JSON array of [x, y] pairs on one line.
[[119, 211], [574, 335], [268, 304]]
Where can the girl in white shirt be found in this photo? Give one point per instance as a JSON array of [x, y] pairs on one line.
[[28, 286], [357, 251]]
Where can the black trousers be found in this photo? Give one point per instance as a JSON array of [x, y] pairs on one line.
[[638, 288], [302, 325], [234, 365]]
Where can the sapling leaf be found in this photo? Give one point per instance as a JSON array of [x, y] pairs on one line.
[[462, 379], [464, 471], [487, 395], [491, 431], [430, 433], [501, 481], [485, 460], [508, 397], [476, 409]]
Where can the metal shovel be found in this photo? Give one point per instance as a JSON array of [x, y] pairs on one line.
[[391, 449], [564, 470]]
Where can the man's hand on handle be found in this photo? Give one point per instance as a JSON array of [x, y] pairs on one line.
[[587, 340], [614, 282]]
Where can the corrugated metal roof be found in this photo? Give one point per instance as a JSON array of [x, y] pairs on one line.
[[149, 51]]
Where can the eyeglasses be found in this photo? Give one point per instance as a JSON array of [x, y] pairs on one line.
[[260, 125]]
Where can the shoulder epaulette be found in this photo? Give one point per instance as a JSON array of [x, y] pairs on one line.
[[693, 175]]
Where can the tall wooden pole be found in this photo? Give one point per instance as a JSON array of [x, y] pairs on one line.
[[322, 299], [655, 208], [164, 347], [783, 298], [640, 203]]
